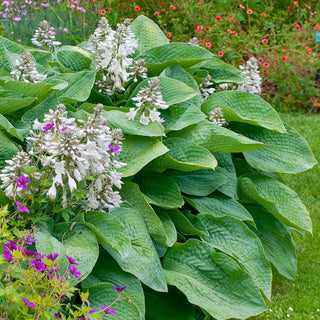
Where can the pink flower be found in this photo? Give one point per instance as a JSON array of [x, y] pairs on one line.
[[284, 58], [137, 8], [241, 6], [81, 9], [298, 27], [263, 14], [157, 13], [296, 3], [220, 53], [249, 11], [169, 34], [208, 45], [16, 19], [172, 7], [266, 64], [264, 40]]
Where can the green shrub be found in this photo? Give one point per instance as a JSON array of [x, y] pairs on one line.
[[202, 208]]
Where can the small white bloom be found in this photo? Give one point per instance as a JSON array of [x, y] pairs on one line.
[[216, 116], [52, 192], [44, 37]]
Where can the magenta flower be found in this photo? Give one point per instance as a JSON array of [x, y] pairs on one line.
[[53, 256], [10, 246], [74, 271], [48, 126], [38, 266], [21, 207], [115, 148], [119, 289], [28, 252], [16, 19], [30, 240], [28, 303], [57, 315], [64, 128], [45, 5], [7, 255], [81, 9], [23, 182], [107, 309], [72, 260]]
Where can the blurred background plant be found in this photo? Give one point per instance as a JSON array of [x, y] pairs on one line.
[[279, 34]]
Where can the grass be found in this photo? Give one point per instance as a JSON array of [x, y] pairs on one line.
[[303, 293]]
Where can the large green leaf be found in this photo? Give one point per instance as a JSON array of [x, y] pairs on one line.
[[170, 229], [212, 280], [178, 73], [184, 54], [147, 33], [224, 76], [276, 197], [143, 260], [131, 192], [80, 243], [177, 118], [285, 152], [79, 85], [225, 163], [159, 189], [11, 102], [107, 274], [110, 233], [119, 119], [9, 128], [168, 306], [183, 155], [42, 57], [219, 205], [39, 90], [40, 110], [200, 182], [185, 223], [173, 91], [137, 152], [8, 149], [73, 58], [244, 107], [276, 240], [234, 238], [215, 138]]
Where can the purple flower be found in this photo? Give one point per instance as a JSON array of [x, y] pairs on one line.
[[38, 266], [28, 252], [107, 309], [23, 182], [10, 246], [57, 315], [16, 19], [21, 207], [81, 9], [39, 255], [92, 311], [115, 148], [53, 256], [28, 303], [74, 271], [7, 255], [48, 126], [45, 5], [119, 289], [30, 240], [65, 30], [64, 128], [72, 260]]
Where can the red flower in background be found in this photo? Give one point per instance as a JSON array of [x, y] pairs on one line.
[[298, 27], [172, 7], [318, 27], [263, 14], [264, 40], [207, 28], [137, 8], [169, 34], [265, 71], [218, 18], [249, 11], [296, 3], [266, 64], [220, 53], [284, 58], [103, 11], [208, 45], [156, 13]]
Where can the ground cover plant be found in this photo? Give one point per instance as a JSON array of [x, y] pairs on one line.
[[142, 170]]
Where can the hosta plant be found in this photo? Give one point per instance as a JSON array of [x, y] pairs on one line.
[[201, 214]]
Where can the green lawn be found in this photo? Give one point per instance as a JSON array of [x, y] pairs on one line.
[[303, 293]]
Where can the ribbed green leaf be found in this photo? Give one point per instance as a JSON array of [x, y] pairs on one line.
[[276, 240], [130, 192], [159, 189], [119, 119], [9, 128], [79, 85], [184, 156], [73, 58], [244, 107], [8, 149], [234, 238], [276, 197], [224, 76], [285, 152], [177, 118], [12, 102], [143, 260], [225, 163], [81, 244], [215, 138], [42, 57], [184, 54], [110, 233], [107, 274], [147, 33], [137, 152], [172, 90], [212, 281], [168, 225], [168, 306], [219, 205], [200, 182], [186, 223], [178, 73]]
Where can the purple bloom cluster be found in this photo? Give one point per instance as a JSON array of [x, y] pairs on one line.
[[72, 260], [23, 182], [115, 148], [119, 289], [21, 207], [48, 126], [38, 265], [28, 303], [74, 271], [107, 309]]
